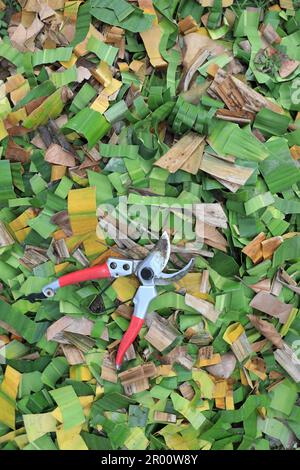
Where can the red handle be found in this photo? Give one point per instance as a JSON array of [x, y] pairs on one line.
[[130, 335], [87, 274]]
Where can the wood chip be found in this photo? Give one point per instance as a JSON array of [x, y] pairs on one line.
[[135, 380], [202, 306], [180, 152], [187, 391], [212, 214], [108, 370], [204, 284], [161, 417], [160, 334]]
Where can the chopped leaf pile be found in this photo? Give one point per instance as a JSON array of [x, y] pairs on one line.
[[110, 105]]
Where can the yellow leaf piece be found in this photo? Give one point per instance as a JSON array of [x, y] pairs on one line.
[[3, 131], [14, 82], [21, 441], [22, 221], [10, 436], [71, 9], [229, 403], [165, 371], [204, 406], [69, 63], [4, 106], [204, 362], [70, 439], [152, 37], [220, 403], [20, 235], [99, 391], [56, 413], [245, 379], [123, 66], [136, 439], [101, 103], [57, 172], [74, 242], [220, 390], [93, 246], [190, 283], [8, 395], [233, 332], [80, 372], [176, 442], [103, 74], [82, 210], [125, 288], [20, 92], [205, 382], [253, 366], [16, 116], [59, 268], [37, 425]]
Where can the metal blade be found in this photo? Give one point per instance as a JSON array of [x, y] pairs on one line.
[[165, 279], [35, 297], [156, 261]]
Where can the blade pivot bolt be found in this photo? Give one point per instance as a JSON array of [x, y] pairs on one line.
[[147, 274], [126, 267], [113, 265]]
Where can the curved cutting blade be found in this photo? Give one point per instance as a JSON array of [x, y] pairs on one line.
[[35, 297], [165, 279], [157, 259]]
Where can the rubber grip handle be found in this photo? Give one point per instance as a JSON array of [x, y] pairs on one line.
[[130, 335], [88, 274]]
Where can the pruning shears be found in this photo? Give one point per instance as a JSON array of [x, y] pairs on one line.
[[148, 271]]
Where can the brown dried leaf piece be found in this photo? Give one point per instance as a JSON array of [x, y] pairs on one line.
[[225, 367], [287, 358], [180, 356], [269, 246], [82, 326], [254, 248], [271, 305], [73, 355], [225, 170], [5, 237], [55, 154], [267, 330]]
